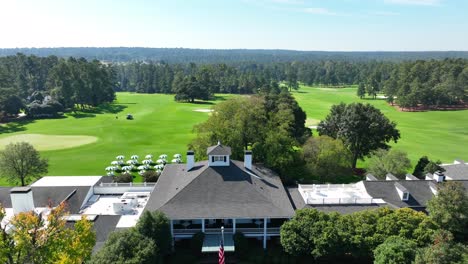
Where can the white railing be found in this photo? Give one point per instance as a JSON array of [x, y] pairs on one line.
[[354, 200], [127, 184], [120, 188]]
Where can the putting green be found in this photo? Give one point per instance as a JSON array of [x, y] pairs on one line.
[[49, 142]]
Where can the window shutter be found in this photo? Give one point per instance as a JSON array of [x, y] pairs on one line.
[[224, 158], [212, 158]]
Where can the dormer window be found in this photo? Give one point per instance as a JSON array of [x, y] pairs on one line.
[[218, 155], [402, 191], [218, 158], [405, 196]]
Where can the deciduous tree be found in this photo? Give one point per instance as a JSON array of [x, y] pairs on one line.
[[21, 162], [395, 250], [391, 161], [44, 238], [362, 127], [449, 209], [327, 158]]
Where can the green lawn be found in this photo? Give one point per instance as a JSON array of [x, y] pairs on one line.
[[160, 126], [438, 134], [164, 126]]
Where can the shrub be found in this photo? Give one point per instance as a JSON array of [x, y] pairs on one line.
[[124, 177], [196, 243], [241, 245], [150, 176]]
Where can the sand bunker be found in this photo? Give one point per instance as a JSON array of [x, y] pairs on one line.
[[203, 110]]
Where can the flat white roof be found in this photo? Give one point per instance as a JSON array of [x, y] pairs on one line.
[[49, 181], [104, 206], [354, 193]]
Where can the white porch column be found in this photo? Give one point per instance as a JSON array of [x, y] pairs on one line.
[[233, 225], [172, 233], [203, 225], [264, 232]]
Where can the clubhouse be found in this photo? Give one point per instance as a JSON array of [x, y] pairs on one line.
[[219, 192]]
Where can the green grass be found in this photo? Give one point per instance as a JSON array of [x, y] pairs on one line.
[[48, 142], [164, 126], [438, 134], [160, 126]]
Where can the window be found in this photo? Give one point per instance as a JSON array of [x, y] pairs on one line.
[[405, 196], [218, 158]]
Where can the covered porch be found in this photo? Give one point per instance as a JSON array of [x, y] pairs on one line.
[[262, 228]]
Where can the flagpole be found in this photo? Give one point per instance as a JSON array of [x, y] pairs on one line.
[[222, 234]]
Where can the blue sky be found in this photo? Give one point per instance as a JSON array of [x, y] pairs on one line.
[[338, 25]]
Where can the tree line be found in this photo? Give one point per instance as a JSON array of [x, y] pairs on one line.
[[45, 86], [181, 55], [412, 83]]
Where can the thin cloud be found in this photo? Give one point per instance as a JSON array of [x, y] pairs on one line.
[[319, 11], [414, 2], [384, 13]]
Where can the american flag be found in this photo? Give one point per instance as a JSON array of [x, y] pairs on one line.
[[221, 253]]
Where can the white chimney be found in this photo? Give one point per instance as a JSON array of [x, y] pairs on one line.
[[190, 159], [439, 176], [22, 199], [248, 159]]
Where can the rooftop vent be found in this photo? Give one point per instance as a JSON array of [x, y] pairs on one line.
[[402, 191], [370, 177], [411, 177], [390, 177], [429, 177], [433, 188]]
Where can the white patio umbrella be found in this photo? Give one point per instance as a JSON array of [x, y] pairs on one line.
[[163, 156], [159, 161], [149, 156], [115, 163], [177, 156], [147, 161], [131, 162], [141, 172], [159, 167], [134, 157], [175, 161], [110, 168], [120, 157], [126, 168], [110, 173], [142, 167]]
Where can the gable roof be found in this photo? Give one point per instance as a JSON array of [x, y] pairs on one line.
[[218, 150], [219, 192], [456, 171], [45, 196], [419, 192]]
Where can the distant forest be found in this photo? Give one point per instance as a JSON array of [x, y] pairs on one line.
[[45, 86], [204, 56]]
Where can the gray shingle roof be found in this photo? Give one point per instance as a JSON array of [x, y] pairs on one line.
[[43, 196], [298, 203], [218, 150], [219, 192], [419, 192], [456, 171]]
